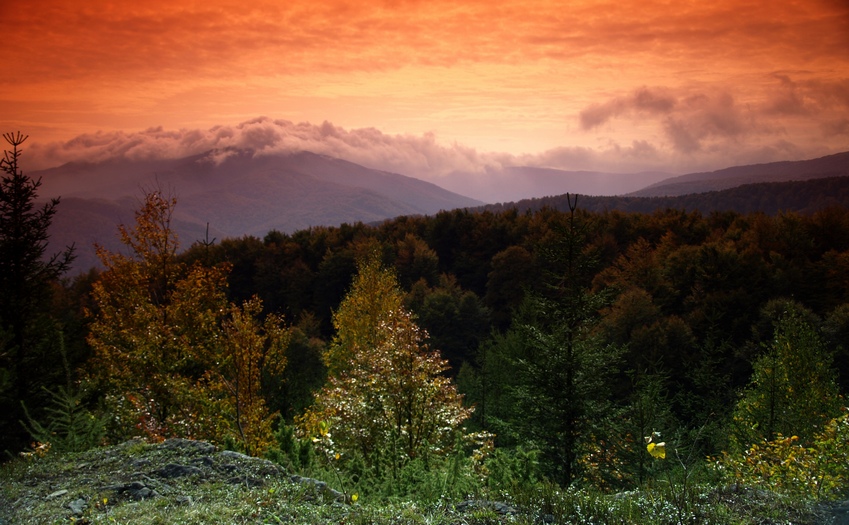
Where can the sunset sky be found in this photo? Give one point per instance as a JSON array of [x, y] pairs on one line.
[[428, 87]]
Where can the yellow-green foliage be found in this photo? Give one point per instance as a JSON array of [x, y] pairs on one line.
[[793, 389], [784, 464], [251, 350], [387, 398]]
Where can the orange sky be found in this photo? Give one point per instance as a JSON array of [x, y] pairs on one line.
[[424, 87]]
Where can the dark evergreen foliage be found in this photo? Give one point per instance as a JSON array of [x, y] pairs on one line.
[[28, 356]]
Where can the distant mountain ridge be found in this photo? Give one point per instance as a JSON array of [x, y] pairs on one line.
[[836, 165], [802, 196], [235, 191], [513, 183]]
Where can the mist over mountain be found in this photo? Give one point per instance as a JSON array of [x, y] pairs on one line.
[[512, 183], [235, 192]]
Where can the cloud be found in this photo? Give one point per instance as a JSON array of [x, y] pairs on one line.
[[705, 117], [407, 154], [708, 117], [700, 134], [642, 102], [687, 120], [836, 127], [99, 39], [639, 155]]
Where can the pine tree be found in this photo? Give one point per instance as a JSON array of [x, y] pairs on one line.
[[562, 370], [28, 335]]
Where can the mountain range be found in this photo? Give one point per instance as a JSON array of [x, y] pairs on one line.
[[232, 193], [836, 165]]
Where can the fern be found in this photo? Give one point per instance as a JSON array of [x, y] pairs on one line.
[[69, 426]]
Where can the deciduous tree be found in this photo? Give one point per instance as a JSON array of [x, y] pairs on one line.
[[386, 399], [172, 356], [793, 390]]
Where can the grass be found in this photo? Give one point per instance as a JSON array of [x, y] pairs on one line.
[[261, 493]]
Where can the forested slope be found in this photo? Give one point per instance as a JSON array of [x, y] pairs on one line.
[[702, 280], [805, 196], [574, 335]]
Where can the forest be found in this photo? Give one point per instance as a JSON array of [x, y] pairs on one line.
[[578, 348]]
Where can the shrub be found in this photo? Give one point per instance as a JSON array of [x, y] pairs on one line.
[[784, 464]]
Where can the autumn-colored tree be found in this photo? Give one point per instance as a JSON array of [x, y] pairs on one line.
[[153, 325], [386, 399], [253, 352], [373, 297], [171, 355]]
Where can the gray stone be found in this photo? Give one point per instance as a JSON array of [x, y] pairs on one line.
[[838, 513], [204, 461], [232, 454], [184, 501], [137, 491], [78, 506], [321, 488], [57, 494], [173, 470], [247, 481]]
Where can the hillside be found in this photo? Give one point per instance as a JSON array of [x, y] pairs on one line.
[[180, 481], [805, 196]]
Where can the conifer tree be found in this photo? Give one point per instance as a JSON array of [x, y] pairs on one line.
[[562, 370], [28, 348]]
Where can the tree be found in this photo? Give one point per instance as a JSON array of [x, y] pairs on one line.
[[153, 324], [171, 355], [373, 297], [455, 319], [387, 400], [562, 369], [793, 391], [28, 352], [253, 352]]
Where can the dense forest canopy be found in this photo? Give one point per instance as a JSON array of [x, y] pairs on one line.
[[570, 334]]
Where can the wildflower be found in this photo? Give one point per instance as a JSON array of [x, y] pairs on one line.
[[657, 450]]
